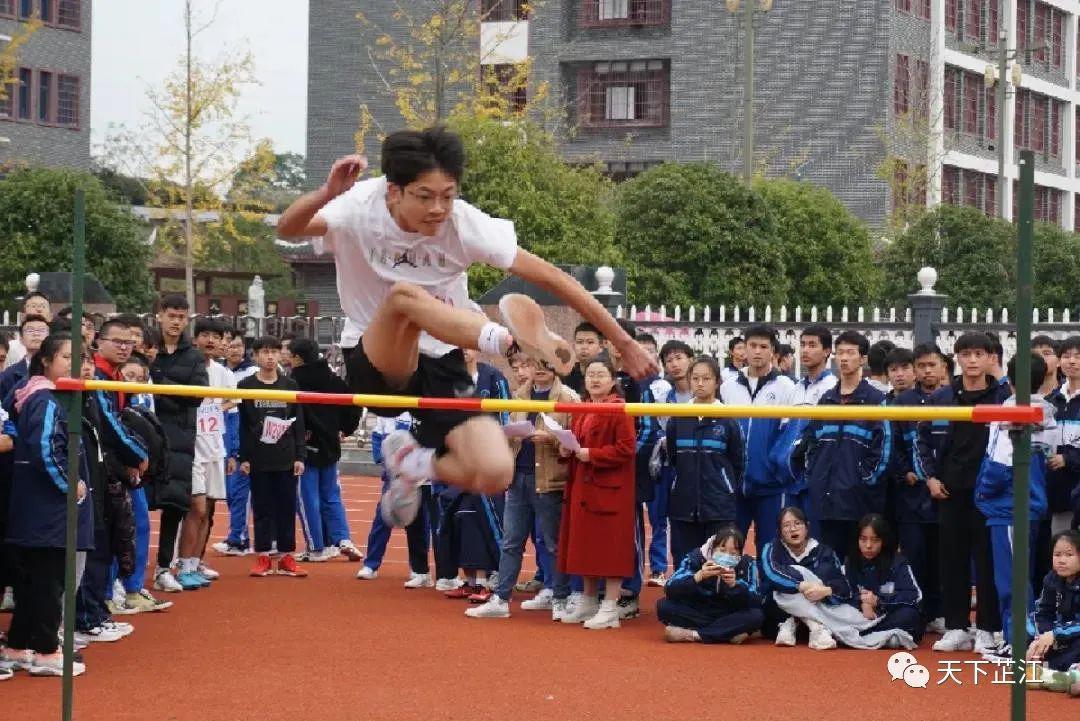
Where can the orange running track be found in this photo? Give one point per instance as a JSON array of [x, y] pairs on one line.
[[332, 648]]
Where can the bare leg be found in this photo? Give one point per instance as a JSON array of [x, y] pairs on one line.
[[478, 457], [208, 524], [192, 532], [390, 341], [612, 589]]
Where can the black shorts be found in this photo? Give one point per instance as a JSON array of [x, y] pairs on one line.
[[443, 377]]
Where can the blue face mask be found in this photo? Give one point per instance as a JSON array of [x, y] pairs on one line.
[[727, 560]]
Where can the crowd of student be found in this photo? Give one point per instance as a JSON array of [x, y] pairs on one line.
[[868, 533]]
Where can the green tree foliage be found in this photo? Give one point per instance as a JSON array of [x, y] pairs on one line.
[[828, 256], [266, 181], [561, 212], [698, 235], [37, 225], [1056, 267], [243, 242]]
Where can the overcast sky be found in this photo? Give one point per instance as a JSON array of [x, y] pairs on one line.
[[138, 42]]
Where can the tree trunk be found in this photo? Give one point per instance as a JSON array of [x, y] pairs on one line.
[[189, 215]]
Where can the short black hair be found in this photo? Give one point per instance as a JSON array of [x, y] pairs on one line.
[[173, 301], [1038, 371], [112, 323], [675, 346], [266, 341], [138, 359], [734, 342], [995, 345], [305, 348], [785, 350], [851, 337], [950, 363], [875, 357], [822, 333], [587, 327], [899, 357], [209, 325], [761, 331], [64, 312], [131, 320], [1070, 343], [627, 326], [49, 348], [646, 338], [60, 325], [32, 318], [408, 154], [709, 362], [151, 336], [974, 341], [35, 294], [4, 342], [1045, 340], [925, 349]]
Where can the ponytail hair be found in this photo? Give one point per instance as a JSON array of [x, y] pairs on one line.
[[49, 348]]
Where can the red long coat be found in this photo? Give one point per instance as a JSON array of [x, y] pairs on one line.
[[596, 536]]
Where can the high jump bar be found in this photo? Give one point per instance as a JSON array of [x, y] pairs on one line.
[[973, 414]]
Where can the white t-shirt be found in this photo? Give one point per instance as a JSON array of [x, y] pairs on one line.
[[372, 252], [210, 420], [16, 352]]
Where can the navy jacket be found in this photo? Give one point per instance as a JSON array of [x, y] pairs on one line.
[[1057, 610], [712, 594], [1061, 484], [37, 514], [913, 504], [490, 383], [707, 455], [761, 435], [895, 585], [650, 429], [846, 462], [779, 575]]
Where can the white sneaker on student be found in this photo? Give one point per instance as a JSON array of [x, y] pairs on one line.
[[124, 629], [558, 609], [405, 461], [348, 549], [8, 604], [821, 639], [677, 634], [584, 609], [785, 635], [985, 642], [98, 634], [448, 584], [494, 607], [208, 573], [956, 639], [367, 573], [314, 556], [606, 617], [419, 580], [540, 602], [165, 581], [937, 626]]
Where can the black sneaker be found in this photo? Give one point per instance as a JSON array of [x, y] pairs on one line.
[[628, 607]]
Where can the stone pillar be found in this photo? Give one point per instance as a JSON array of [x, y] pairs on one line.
[[926, 307], [608, 296]]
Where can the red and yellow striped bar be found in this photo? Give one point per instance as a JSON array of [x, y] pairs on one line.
[[976, 414]]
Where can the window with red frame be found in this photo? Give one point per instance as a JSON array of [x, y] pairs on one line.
[[1076, 212], [901, 86], [991, 114], [922, 9], [506, 81], [624, 13], [7, 8], [69, 14], [67, 100], [973, 90], [624, 94], [950, 184], [952, 81], [950, 15], [504, 10], [903, 6]]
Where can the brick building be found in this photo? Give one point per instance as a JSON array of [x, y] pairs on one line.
[[45, 120]]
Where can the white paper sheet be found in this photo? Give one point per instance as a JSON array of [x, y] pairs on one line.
[[520, 429], [566, 438]]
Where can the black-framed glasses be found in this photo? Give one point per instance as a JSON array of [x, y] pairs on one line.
[[119, 343]]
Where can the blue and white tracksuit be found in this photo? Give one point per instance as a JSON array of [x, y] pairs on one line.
[[994, 499], [650, 429], [718, 612], [1064, 485], [808, 392], [778, 575], [846, 464], [238, 483], [898, 592], [379, 535], [1058, 610], [763, 489]]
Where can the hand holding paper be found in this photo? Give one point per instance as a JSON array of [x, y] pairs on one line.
[[566, 438]]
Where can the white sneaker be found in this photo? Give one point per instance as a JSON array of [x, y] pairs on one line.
[[937, 626], [208, 573], [540, 602], [573, 600], [98, 634], [677, 634], [785, 635], [821, 639], [583, 610], [419, 580], [606, 617], [367, 573], [119, 595], [124, 629], [985, 642], [494, 607], [348, 549], [8, 604], [166, 582], [401, 501], [448, 584], [314, 556], [956, 639], [558, 609], [53, 665]]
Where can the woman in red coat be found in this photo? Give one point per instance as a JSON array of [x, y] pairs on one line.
[[596, 536]]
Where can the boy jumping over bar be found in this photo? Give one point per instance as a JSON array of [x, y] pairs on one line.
[[402, 244]]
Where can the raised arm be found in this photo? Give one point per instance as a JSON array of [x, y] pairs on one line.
[[301, 220]]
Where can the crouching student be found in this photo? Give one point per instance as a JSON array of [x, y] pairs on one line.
[[1055, 624], [887, 590], [795, 567], [713, 598]]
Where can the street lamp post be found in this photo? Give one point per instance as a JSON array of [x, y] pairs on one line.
[[748, 7], [1003, 77]]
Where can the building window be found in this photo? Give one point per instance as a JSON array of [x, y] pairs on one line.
[[624, 13], [45, 97], [67, 100], [1038, 123], [909, 185], [47, 11], [7, 8], [901, 83], [504, 10], [26, 9], [975, 20], [950, 15], [619, 94], [26, 79], [508, 82], [969, 107], [1041, 27], [1047, 206], [69, 14], [969, 187]]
